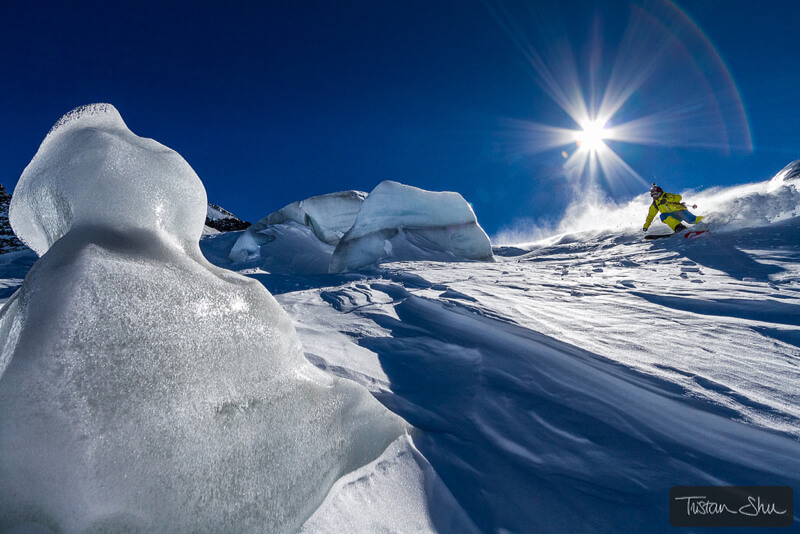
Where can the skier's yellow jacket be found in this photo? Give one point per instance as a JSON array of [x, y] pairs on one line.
[[666, 203]]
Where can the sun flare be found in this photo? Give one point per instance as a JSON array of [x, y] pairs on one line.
[[591, 137]]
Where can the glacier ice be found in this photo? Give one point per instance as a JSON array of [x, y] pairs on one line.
[[401, 222], [346, 231], [300, 237], [282, 248], [92, 170], [329, 216], [142, 388]]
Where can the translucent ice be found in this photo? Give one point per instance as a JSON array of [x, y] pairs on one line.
[[92, 170], [401, 222], [328, 216], [143, 389]]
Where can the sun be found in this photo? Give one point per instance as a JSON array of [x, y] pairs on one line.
[[591, 137]]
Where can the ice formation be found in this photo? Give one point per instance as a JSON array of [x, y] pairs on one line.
[[328, 216], [401, 222], [282, 248], [142, 388], [300, 237]]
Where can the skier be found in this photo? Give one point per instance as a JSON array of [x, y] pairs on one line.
[[673, 211]]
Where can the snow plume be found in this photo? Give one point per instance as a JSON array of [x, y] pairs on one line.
[[591, 211], [727, 208]]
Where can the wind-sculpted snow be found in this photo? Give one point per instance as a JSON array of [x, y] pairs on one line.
[[142, 388], [400, 222], [567, 390]]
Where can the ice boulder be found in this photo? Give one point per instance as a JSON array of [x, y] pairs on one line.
[[299, 238], [400, 222], [287, 248], [328, 216], [141, 388]]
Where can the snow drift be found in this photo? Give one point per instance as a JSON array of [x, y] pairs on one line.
[[400, 222], [142, 388]]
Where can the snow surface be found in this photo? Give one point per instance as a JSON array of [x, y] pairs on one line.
[[568, 386], [141, 388], [401, 222]]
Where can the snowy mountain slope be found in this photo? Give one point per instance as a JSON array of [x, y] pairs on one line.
[[8, 241], [584, 378], [221, 220], [587, 374]]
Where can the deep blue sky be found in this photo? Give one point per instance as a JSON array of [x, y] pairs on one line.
[[272, 102]]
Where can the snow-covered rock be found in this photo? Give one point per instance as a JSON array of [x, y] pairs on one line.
[[221, 220], [400, 222], [142, 388], [8, 241]]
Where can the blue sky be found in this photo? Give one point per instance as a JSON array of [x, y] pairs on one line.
[[272, 102]]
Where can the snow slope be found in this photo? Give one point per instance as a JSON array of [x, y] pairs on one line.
[[568, 387]]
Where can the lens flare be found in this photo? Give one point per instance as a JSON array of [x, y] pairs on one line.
[[661, 85]]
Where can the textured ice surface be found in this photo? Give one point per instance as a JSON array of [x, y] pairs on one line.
[[328, 216], [300, 237], [92, 170], [401, 222], [143, 389], [282, 248]]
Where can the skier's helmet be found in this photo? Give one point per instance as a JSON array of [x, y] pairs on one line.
[[656, 191]]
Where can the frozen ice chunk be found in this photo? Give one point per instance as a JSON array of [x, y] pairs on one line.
[[328, 216], [92, 170], [142, 388], [298, 238], [282, 248], [400, 222]]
